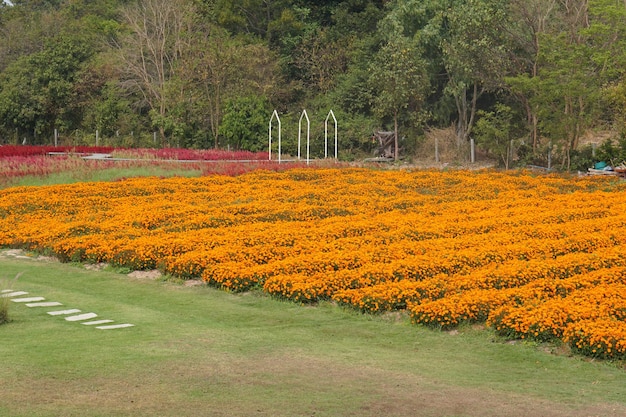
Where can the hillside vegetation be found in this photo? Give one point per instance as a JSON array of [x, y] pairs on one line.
[[526, 79]]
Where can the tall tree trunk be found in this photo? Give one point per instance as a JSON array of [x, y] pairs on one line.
[[473, 109], [461, 108], [395, 134], [466, 113], [151, 49]]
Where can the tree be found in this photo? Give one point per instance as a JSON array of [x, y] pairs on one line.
[[567, 51], [350, 28], [577, 59], [253, 17], [463, 49], [607, 40], [494, 130], [218, 67], [17, 106], [474, 56], [320, 59], [399, 78], [616, 94], [37, 91], [244, 125], [150, 52], [529, 21], [565, 93], [25, 29], [109, 112]]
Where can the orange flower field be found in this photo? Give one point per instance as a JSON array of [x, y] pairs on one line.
[[533, 256]]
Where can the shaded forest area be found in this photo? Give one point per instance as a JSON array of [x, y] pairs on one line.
[[523, 78]]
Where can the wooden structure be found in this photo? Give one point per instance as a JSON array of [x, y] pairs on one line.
[[386, 144], [618, 171]]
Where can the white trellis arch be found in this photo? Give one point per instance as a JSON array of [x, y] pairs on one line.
[[308, 135], [330, 113], [274, 116], [303, 116]]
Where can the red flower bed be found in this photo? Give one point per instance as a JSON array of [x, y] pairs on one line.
[[142, 153], [180, 154], [18, 161]]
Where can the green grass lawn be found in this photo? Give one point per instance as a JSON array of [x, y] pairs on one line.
[[196, 351]]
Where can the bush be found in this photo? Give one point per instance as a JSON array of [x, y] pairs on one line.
[[5, 284], [612, 152], [582, 158], [244, 125]]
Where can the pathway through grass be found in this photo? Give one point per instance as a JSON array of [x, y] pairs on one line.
[[195, 351], [72, 314]]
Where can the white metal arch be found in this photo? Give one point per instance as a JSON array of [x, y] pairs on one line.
[[308, 134], [330, 113], [303, 115], [274, 116]]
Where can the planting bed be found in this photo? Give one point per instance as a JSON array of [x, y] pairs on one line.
[[539, 257], [40, 161]]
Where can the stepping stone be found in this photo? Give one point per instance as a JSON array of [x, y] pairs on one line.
[[80, 317], [61, 312], [5, 291], [115, 326], [11, 293], [89, 323], [27, 299], [44, 304]]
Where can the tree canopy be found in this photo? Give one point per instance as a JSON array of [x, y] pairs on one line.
[[201, 73]]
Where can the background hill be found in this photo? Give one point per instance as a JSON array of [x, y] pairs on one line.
[[524, 79]]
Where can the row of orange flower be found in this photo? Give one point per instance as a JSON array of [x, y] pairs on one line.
[[501, 248]]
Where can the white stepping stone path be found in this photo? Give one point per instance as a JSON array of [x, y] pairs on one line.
[[11, 293], [91, 323], [72, 314], [62, 312], [115, 326], [27, 299], [81, 317], [44, 304]]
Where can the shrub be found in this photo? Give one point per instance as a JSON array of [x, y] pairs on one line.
[[245, 122], [5, 284]]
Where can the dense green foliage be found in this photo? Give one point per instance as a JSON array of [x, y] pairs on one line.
[[208, 73]]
